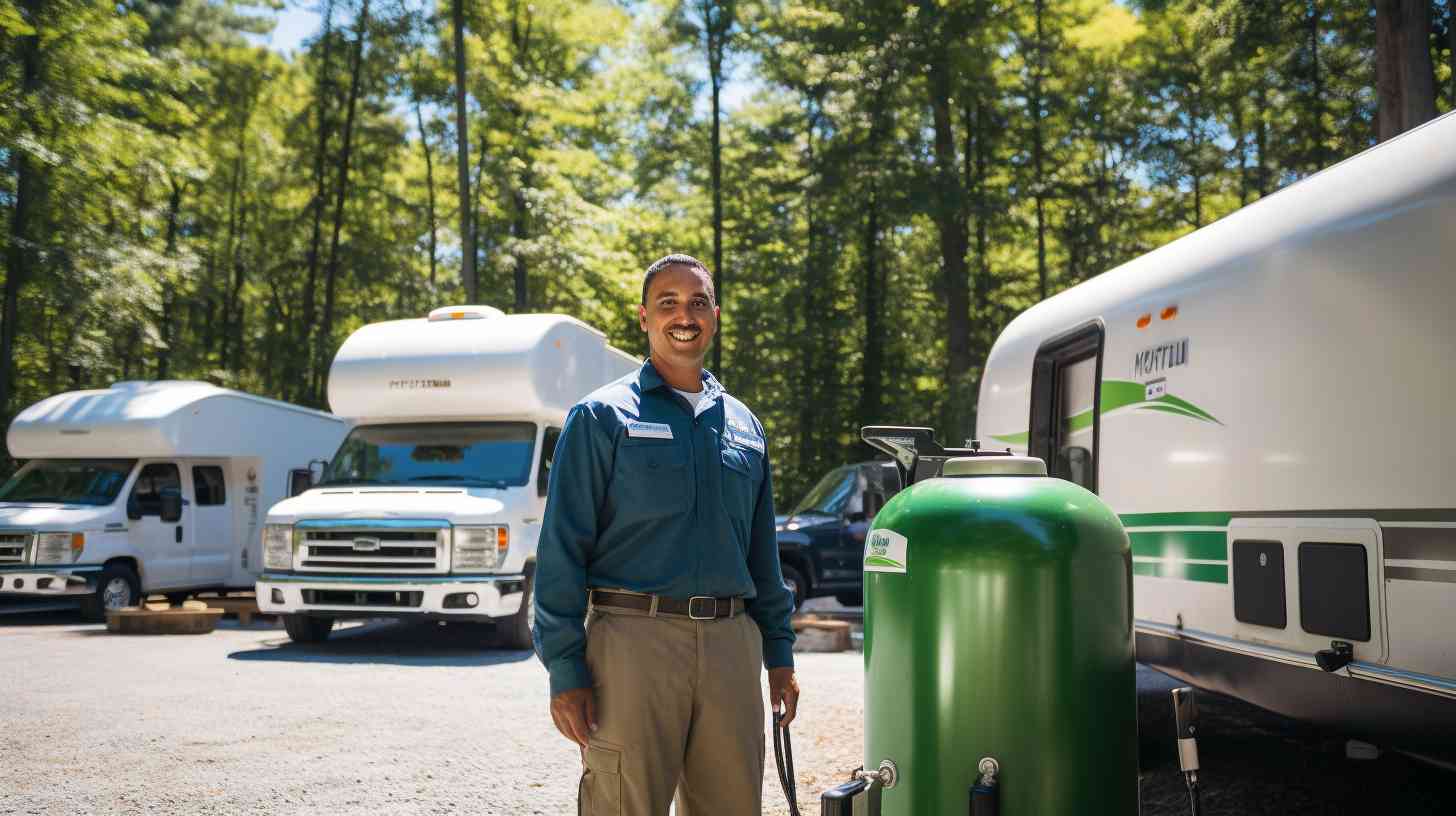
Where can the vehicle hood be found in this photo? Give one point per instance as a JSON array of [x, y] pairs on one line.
[[54, 516], [456, 505]]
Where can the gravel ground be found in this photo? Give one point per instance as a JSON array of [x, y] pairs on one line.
[[404, 719]]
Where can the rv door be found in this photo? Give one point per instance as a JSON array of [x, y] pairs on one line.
[[1066, 402], [212, 524], [162, 545]]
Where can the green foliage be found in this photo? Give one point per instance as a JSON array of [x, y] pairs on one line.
[[170, 187]]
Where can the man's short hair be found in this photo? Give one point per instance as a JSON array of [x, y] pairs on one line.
[[677, 259]]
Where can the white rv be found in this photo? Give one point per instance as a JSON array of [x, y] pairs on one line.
[[148, 487], [433, 504], [1266, 403]]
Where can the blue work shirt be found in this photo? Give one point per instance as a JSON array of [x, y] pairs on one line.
[[650, 496]]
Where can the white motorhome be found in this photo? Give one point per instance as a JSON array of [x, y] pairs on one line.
[[1265, 403], [148, 487], [433, 504]]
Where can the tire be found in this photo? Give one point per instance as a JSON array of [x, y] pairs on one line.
[[518, 630], [794, 580], [850, 598], [307, 629], [117, 587]]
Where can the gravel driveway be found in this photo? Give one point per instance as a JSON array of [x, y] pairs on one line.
[[403, 719]]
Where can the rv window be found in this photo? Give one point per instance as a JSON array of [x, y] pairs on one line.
[[207, 483], [68, 481], [459, 454], [548, 451], [146, 494]]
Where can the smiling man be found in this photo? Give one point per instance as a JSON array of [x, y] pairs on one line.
[[658, 590]]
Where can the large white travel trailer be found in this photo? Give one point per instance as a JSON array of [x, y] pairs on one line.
[[1265, 403], [433, 505], [148, 487]]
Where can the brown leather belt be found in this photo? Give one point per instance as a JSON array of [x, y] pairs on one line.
[[698, 607]]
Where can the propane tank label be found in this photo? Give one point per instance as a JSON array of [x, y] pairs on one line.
[[885, 551]]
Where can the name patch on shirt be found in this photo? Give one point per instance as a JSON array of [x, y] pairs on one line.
[[649, 430], [746, 440]]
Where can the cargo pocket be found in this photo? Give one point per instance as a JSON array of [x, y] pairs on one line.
[[651, 478], [600, 793]]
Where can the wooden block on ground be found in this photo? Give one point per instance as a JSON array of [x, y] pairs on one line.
[[133, 621], [821, 635]]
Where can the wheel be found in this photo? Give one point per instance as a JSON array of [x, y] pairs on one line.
[[117, 588], [850, 598], [308, 629], [518, 631], [794, 580]]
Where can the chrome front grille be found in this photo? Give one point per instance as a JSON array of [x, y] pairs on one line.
[[391, 550], [12, 547]]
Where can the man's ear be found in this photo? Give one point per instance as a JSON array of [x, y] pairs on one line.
[[642, 317]]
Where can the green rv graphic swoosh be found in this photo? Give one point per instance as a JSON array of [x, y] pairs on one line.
[[880, 561], [1119, 394]]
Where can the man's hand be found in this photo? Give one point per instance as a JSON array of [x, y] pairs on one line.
[[783, 690], [575, 713]]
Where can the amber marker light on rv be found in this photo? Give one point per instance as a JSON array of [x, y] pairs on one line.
[[1170, 312], [1144, 321]]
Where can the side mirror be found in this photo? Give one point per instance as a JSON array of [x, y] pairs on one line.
[[171, 504], [133, 508], [299, 481]]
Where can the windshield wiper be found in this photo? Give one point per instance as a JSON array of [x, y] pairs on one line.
[[455, 477]]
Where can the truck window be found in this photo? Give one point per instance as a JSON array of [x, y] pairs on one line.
[[68, 481], [208, 484], [449, 454], [548, 451], [146, 494], [1064, 405]]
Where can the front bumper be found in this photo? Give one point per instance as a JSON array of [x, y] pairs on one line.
[[341, 596], [49, 581]]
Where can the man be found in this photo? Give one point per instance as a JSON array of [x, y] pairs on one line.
[[660, 523]]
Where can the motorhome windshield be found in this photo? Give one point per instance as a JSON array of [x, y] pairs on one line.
[[470, 454], [68, 481], [830, 495]]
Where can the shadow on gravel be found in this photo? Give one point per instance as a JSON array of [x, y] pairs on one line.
[[395, 644], [1255, 762]]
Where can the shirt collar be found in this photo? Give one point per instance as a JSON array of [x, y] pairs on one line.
[[648, 379]]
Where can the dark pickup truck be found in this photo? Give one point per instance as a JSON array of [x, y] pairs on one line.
[[821, 543]]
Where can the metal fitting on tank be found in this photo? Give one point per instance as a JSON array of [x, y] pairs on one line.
[[988, 768], [885, 776]]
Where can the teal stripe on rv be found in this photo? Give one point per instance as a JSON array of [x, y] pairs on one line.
[[1195, 546], [1200, 519], [1208, 573]]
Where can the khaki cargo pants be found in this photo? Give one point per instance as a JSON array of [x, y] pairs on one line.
[[679, 708]]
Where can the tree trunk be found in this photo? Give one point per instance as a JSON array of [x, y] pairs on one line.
[[21, 257], [429, 188], [1038, 152], [1261, 142], [462, 146], [227, 254], [169, 294], [235, 306], [809, 373], [300, 370], [1320, 153], [715, 28], [326, 328], [1405, 77], [873, 371], [519, 231], [953, 228]]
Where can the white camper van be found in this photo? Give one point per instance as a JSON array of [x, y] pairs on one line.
[[433, 504], [1267, 404], [148, 487]]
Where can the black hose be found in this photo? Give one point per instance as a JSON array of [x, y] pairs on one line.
[[784, 759], [1195, 801]]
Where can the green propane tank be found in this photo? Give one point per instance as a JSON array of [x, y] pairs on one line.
[[998, 624]]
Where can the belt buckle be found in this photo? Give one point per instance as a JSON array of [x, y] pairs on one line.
[[692, 613]]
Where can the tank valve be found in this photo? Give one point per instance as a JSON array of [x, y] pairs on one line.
[[1185, 718], [861, 794], [886, 775], [986, 793]]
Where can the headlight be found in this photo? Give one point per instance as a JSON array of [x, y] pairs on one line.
[[277, 546], [59, 548], [480, 548]]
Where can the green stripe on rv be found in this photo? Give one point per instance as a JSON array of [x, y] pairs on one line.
[[1131, 520], [1207, 573], [1193, 546]]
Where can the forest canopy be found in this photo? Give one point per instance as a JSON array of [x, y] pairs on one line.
[[879, 186]]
